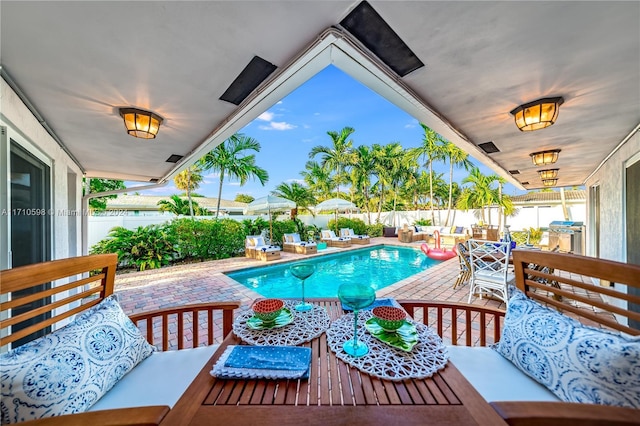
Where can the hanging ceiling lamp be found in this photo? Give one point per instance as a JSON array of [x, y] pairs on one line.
[[548, 174], [140, 123], [549, 182], [537, 114], [543, 158]]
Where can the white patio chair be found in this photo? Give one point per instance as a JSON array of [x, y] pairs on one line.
[[489, 269]]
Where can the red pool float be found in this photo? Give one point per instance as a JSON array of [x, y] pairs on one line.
[[438, 253]]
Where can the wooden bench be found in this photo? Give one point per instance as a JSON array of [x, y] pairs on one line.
[[459, 324], [75, 291]]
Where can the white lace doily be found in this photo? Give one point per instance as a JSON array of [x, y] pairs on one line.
[[305, 327], [427, 356]]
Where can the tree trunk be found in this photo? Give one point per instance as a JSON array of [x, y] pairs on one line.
[[446, 222], [433, 217], [189, 191], [220, 192]]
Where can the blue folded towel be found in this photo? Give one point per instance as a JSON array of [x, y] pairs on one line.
[[269, 357], [375, 304]]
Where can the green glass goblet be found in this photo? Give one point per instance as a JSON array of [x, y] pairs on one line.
[[356, 297], [302, 272]]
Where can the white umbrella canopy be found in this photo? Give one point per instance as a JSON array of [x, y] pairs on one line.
[[267, 204], [336, 204]]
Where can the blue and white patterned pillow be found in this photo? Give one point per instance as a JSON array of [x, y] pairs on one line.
[[577, 363], [68, 370]]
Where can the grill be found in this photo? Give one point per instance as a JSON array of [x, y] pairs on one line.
[[567, 235]]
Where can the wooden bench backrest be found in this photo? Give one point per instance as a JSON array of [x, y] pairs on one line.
[[580, 295], [64, 298]]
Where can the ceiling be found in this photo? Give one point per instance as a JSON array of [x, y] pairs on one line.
[[78, 62]]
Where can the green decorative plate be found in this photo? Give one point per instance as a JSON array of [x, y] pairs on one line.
[[404, 338], [285, 318]]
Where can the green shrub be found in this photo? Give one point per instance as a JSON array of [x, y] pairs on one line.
[[358, 225], [534, 234], [281, 227], [208, 238], [423, 222], [148, 247], [375, 230], [255, 227]]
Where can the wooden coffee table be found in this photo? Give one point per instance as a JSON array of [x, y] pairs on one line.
[[335, 393], [267, 256]]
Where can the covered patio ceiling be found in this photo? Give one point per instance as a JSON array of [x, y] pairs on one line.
[[77, 63]]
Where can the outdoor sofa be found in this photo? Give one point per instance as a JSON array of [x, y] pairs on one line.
[[449, 236], [150, 392]]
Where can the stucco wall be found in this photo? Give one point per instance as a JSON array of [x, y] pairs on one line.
[[610, 177], [25, 129]]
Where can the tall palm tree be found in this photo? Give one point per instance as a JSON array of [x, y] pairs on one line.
[[336, 157], [187, 180], [432, 149], [457, 158], [318, 180], [362, 165], [478, 195], [389, 160], [229, 158], [301, 195]]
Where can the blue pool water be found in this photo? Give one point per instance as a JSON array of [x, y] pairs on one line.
[[377, 266]]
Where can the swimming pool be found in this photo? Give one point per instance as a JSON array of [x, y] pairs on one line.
[[379, 266]]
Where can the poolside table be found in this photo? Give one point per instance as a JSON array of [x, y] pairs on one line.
[[361, 241], [335, 393]]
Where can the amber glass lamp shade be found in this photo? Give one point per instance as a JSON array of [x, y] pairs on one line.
[[544, 158], [537, 114], [549, 182], [548, 174], [140, 123]]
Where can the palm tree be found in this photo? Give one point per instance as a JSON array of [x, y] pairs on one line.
[[432, 149], [178, 206], [478, 195], [229, 158], [297, 193], [318, 180], [457, 158], [189, 179], [336, 157], [388, 167], [363, 164]]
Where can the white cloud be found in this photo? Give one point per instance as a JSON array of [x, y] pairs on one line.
[[278, 125], [300, 181], [316, 113], [412, 124], [265, 116], [279, 103]]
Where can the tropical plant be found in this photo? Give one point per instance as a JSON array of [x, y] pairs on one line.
[[358, 225], [363, 166], [300, 195], [101, 185], [187, 180], [244, 198], [318, 179], [337, 156], [389, 169], [375, 230], [432, 149], [179, 206], [230, 159], [255, 226], [148, 247], [423, 222]]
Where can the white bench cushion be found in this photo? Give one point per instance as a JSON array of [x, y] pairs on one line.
[[160, 379], [495, 377]]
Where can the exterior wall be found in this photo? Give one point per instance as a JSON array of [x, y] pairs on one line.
[[66, 176], [610, 178]]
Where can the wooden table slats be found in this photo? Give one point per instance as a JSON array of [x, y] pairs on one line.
[[332, 385]]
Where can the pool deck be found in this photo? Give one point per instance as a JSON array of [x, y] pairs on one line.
[[206, 282]]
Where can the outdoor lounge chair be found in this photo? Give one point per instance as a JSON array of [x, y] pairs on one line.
[[332, 240], [292, 243], [355, 239], [256, 248]]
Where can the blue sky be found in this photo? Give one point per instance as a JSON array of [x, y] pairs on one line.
[[328, 101]]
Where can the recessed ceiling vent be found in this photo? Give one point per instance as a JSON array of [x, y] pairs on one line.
[[251, 76], [174, 158], [153, 180], [524, 183], [368, 26], [489, 147], [514, 172]]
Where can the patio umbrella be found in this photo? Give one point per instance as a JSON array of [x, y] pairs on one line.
[[267, 204], [337, 204]]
